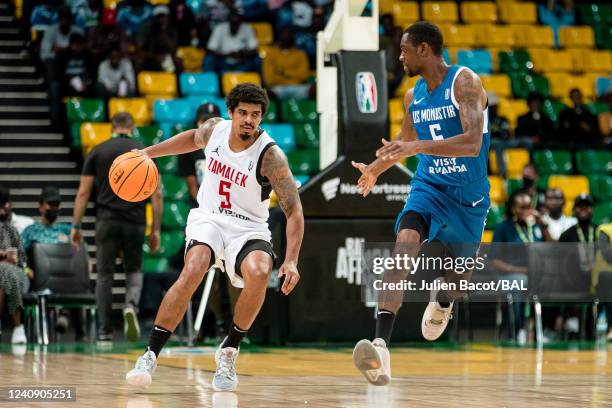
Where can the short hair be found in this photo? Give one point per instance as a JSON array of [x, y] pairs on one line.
[[247, 93], [122, 120], [426, 32], [575, 90], [512, 200], [207, 111]]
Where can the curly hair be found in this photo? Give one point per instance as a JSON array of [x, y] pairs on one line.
[[247, 93]]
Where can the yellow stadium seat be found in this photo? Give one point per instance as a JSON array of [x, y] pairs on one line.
[[440, 11], [605, 122], [385, 7], [148, 218], [586, 60], [231, 79], [493, 162], [452, 53], [92, 134], [396, 110], [498, 191], [499, 83], [405, 13], [137, 107], [487, 236], [263, 32], [576, 36], [156, 2], [110, 4], [478, 12], [586, 83], [533, 36], [394, 130], [490, 35], [515, 12], [547, 60], [572, 187], [263, 50], [192, 58], [160, 83], [407, 83], [559, 84], [512, 109], [515, 159], [458, 35]]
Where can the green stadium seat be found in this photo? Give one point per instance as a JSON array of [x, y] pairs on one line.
[[543, 181], [513, 184], [523, 83], [178, 128], [174, 188], [603, 36], [272, 113], [171, 243], [602, 213], [600, 186], [175, 215], [596, 13], [494, 216], [553, 109], [75, 134], [85, 110], [151, 264], [594, 161], [148, 135], [512, 61], [307, 135], [294, 111], [167, 164], [598, 107], [412, 162], [553, 161], [304, 161]]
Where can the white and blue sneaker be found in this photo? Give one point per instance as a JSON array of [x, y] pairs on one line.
[[225, 378], [142, 373]]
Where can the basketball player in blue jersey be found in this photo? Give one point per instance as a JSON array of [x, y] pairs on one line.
[[446, 126]]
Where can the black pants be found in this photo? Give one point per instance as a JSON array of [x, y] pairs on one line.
[[114, 238]]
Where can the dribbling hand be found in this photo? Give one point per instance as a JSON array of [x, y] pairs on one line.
[[367, 179], [291, 274]]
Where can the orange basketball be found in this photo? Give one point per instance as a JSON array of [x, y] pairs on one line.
[[133, 177]]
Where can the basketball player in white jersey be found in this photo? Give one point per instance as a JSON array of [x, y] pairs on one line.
[[243, 165]]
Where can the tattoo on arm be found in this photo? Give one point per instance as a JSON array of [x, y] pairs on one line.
[[468, 92], [275, 167], [203, 133]]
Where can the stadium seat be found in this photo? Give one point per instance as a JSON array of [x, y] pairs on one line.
[[493, 166], [192, 58], [306, 135], [594, 161], [533, 36], [598, 107], [517, 12], [85, 110], [92, 134], [439, 11], [264, 33], [513, 184], [515, 159], [148, 135], [157, 83], [605, 122], [231, 79], [412, 163], [560, 84], [600, 186], [305, 161], [603, 36], [446, 56], [456, 35], [175, 215], [595, 13], [603, 84], [167, 164], [546, 60], [153, 264], [478, 11], [301, 179], [396, 110], [405, 12], [512, 109], [523, 84], [405, 85], [553, 161], [299, 111], [110, 4], [137, 107], [479, 61], [174, 188], [173, 111], [170, 243], [576, 36], [271, 114], [553, 109], [498, 193], [197, 100], [491, 35], [394, 131], [487, 236], [283, 134], [498, 83], [586, 60], [200, 83], [572, 186], [602, 213], [386, 7], [512, 61], [494, 216]]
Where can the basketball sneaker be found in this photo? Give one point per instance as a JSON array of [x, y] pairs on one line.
[[131, 328], [142, 373], [436, 317], [225, 378], [372, 358]]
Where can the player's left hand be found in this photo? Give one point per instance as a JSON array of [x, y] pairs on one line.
[[396, 150], [291, 274]]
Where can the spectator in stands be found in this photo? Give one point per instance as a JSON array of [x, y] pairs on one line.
[[286, 69], [523, 225], [75, 68], [578, 126], [557, 14], [120, 228], [132, 15], [44, 15], [20, 222], [558, 223], [13, 281], [48, 231], [500, 132], [116, 77], [389, 41], [88, 14], [232, 46], [183, 20], [104, 38], [534, 127], [530, 177], [157, 43], [307, 39], [602, 272], [57, 38], [215, 12]]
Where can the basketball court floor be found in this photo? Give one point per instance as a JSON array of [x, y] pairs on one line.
[[466, 376]]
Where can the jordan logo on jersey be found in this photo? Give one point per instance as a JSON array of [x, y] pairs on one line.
[[227, 172]]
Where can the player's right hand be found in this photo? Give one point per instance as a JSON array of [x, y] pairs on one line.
[[367, 179]]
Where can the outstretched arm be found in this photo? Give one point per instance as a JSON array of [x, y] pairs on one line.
[[185, 142], [275, 168]]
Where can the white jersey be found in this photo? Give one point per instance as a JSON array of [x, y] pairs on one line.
[[232, 185]]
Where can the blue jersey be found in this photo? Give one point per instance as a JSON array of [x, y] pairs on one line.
[[436, 117]]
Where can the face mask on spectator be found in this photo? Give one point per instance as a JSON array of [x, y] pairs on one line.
[[51, 215]]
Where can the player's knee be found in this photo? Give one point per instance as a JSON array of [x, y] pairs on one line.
[[257, 272], [408, 236], [194, 269]]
